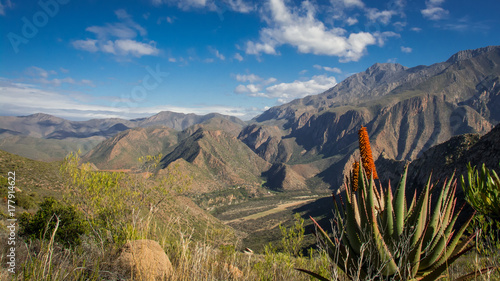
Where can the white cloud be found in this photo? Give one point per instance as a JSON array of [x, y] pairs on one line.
[[327, 68], [41, 76], [433, 11], [238, 57], [239, 6], [286, 92], [382, 37], [89, 45], [300, 28], [416, 29], [354, 3], [252, 78], [138, 49], [219, 6], [118, 38], [250, 88], [380, 16], [38, 72], [406, 49], [351, 21], [22, 99], [216, 53], [165, 19]]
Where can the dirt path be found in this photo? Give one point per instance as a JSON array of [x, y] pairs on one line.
[[279, 208]]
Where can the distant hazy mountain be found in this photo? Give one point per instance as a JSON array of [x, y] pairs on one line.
[[84, 134]]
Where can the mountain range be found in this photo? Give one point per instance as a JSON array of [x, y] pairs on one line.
[[306, 143]]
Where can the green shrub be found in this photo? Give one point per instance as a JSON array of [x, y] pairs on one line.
[[26, 201], [41, 224], [482, 190]]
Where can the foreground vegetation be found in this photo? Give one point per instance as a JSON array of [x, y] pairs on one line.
[[77, 233]]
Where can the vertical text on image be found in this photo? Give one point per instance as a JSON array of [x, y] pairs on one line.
[[11, 222]]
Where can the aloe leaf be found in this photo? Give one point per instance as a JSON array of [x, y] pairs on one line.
[[454, 246], [414, 256], [390, 266], [419, 215], [435, 253], [388, 217], [399, 206], [436, 273], [352, 230]]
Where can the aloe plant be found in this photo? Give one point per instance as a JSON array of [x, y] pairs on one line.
[[383, 234], [482, 191]]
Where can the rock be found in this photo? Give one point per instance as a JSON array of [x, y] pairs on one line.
[[143, 260], [234, 271]]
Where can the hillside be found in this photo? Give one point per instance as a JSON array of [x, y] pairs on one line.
[[85, 134], [217, 159], [454, 155], [124, 149]]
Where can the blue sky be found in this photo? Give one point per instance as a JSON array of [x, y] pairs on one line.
[[97, 59]]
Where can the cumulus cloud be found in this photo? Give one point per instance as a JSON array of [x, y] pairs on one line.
[[118, 38], [285, 92], [299, 28], [433, 11], [380, 16], [353, 3], [351, 21]]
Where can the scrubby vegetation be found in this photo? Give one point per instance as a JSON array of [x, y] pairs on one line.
[[374, 236]]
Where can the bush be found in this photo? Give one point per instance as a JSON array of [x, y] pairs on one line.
[[41, 224]]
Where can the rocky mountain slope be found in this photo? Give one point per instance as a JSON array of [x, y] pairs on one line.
[[216, 160], [406, 111]]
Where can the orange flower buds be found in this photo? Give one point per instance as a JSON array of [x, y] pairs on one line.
[[366, 153]]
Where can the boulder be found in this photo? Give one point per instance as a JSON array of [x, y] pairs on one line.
[[143, 260]]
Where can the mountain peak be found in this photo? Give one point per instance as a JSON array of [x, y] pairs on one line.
[[468, 54], [393, 67]]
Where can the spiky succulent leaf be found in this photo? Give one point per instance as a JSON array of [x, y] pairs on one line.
[[438, 271], [399, 205]]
